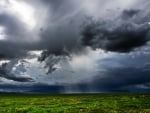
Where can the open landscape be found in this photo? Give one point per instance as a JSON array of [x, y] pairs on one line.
[[74, 56], [74, 103]]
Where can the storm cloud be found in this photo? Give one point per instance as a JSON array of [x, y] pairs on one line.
[[64, 43], [128, 31], [61, 31], [6, 72]]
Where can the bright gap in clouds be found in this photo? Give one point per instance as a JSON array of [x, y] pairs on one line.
[[24, 10]]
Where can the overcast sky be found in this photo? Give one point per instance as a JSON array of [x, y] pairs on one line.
[[72, 46]]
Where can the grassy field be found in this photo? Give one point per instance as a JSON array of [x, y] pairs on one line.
[[75, 103]]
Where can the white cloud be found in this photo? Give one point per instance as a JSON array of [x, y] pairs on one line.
[[3, 61], [24, 11]]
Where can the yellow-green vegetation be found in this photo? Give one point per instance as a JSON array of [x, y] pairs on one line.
[[75, 103]]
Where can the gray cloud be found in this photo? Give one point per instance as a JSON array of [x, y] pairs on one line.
[[15, 29], [18, 39], [34, 88], [6, 72], [11, 50], [122, 34], [120, 73], [62, 29], [59, 29], [122, 78]]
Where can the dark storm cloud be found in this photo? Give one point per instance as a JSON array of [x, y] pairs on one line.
[[55, 34], [121, 79], [16, 43], [58, 29], [50, 61], [59, 33], [9, 50], [44, 88], [122, 34], [119, 73], [14, 28], [5, 72], [127, 14], [34, 88]]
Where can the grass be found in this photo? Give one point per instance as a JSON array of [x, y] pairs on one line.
[[75, 103]]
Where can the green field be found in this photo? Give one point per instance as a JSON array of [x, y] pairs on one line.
[[75, 103]]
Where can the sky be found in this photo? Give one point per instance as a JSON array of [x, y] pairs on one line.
[[74, 46]]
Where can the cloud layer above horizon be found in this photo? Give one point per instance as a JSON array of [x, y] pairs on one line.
[[74, 46]]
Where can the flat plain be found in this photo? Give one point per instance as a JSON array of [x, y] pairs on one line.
[[74, 103]]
